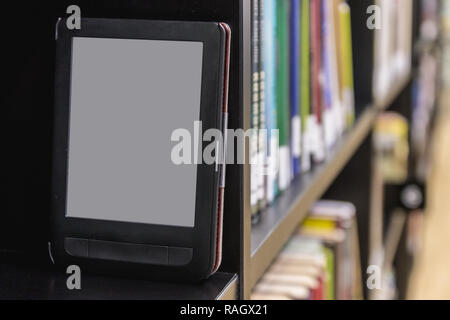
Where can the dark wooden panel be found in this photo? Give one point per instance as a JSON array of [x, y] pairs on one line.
[[363, 53]]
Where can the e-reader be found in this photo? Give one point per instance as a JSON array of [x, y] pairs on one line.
[[130, 189]]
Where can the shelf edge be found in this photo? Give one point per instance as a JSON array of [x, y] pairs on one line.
[[230, 292]]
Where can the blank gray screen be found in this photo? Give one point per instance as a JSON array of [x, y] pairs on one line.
[[127, 97]]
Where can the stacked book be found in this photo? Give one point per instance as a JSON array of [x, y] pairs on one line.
[[302, 89], [321, 262]]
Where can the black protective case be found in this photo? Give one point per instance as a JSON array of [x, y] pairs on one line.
[[133, 238]]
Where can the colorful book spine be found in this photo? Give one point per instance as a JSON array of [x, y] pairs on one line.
[[282, 92], [348, 94], [315, 125], [330, 133], [295, 74], [305, 84], [330, 271], [269, 52], [316, 58], [327, 98], [337, 36], [334, 45]]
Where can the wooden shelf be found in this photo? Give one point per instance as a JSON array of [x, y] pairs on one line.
[[21, 279], [279, 221]]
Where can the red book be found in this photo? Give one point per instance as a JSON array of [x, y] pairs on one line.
[[319, 292]]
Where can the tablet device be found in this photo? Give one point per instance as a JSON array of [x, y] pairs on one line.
[[125, 91]]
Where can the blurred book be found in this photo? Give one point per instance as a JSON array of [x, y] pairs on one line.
[[392, 147], [393, 44], [320, 262], [334, 223], [429, 20]]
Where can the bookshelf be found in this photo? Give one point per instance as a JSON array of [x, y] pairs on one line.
[[248, 250], [280, 221]]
